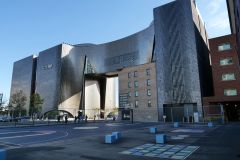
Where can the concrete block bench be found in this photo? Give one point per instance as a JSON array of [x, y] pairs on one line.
[[110, 139], [161, 138], [210, 124], [175, 124], [153, 130], [117, 135], [2, 154]]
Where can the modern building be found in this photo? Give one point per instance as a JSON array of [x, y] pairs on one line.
[[226, 76], [162, 71], [234, 17]]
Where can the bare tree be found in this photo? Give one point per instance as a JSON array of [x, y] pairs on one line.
[[18, 100]]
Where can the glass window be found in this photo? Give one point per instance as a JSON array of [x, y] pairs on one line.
[[149, 92], [149, 103], [135, 84], [230, 92], [228, 77], [129, 75], [136, 104], [136, 93], [129, 94], [148, 71], [135, 73], [148, 82], [226, 61], [224, 47], [129, 84]]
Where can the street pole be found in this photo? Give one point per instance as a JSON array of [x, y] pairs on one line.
[[132, 115]]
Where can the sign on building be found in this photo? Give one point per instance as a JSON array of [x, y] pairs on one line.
[[123, 100]]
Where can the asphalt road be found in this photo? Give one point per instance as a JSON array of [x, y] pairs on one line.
[[23, 136], [86, 141]]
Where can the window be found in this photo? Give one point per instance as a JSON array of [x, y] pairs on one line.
[[148, 82], [226, 61], [224, 47], [149, 92], [148, 71], [136, 104], [129, 75], [230, 92], [135, 84], [129, 84], [228, 77], [136, 93], [129, 94], [149, 103], [135, 73]]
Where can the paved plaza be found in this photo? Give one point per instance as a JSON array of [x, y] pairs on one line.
[[85, 141]]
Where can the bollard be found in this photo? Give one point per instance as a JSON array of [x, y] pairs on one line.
[[175, 124], [210, 124], [161, 138], [153, 130], [2, 154], [110, 139]]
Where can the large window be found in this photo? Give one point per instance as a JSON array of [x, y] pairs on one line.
[[148, 82], [148, 71], [136, 93], [230, 92], [149, 92], [224, 47], [226, 61], [129, 84], [136, 104], [129, 75], [135, 73], [135, 84], [149, 103], [228, 77]]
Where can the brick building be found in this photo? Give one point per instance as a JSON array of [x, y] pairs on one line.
[[138, 85], [226, 76]]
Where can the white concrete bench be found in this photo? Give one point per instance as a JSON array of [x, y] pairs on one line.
[[161, 138]]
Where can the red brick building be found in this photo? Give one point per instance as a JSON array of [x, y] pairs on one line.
[[226, 76]]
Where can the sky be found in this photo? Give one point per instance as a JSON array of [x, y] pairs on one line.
[[30, 26]]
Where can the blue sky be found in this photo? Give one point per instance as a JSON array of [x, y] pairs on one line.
[[30, 26]]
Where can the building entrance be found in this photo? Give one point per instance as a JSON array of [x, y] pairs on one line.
[[232, 111], [100, 97], [179, 112]]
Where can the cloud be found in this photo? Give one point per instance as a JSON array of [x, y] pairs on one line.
[[214, 6], [219, 21], [215, 17]]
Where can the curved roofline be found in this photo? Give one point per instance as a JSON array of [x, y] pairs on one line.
[[134, 34]]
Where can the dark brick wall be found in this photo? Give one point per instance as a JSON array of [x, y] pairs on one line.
[[218, 70]]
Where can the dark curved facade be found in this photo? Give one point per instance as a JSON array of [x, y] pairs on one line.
[[171, 41]]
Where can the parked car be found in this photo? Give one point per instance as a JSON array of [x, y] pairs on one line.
[[3, 119], [111, 116]]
